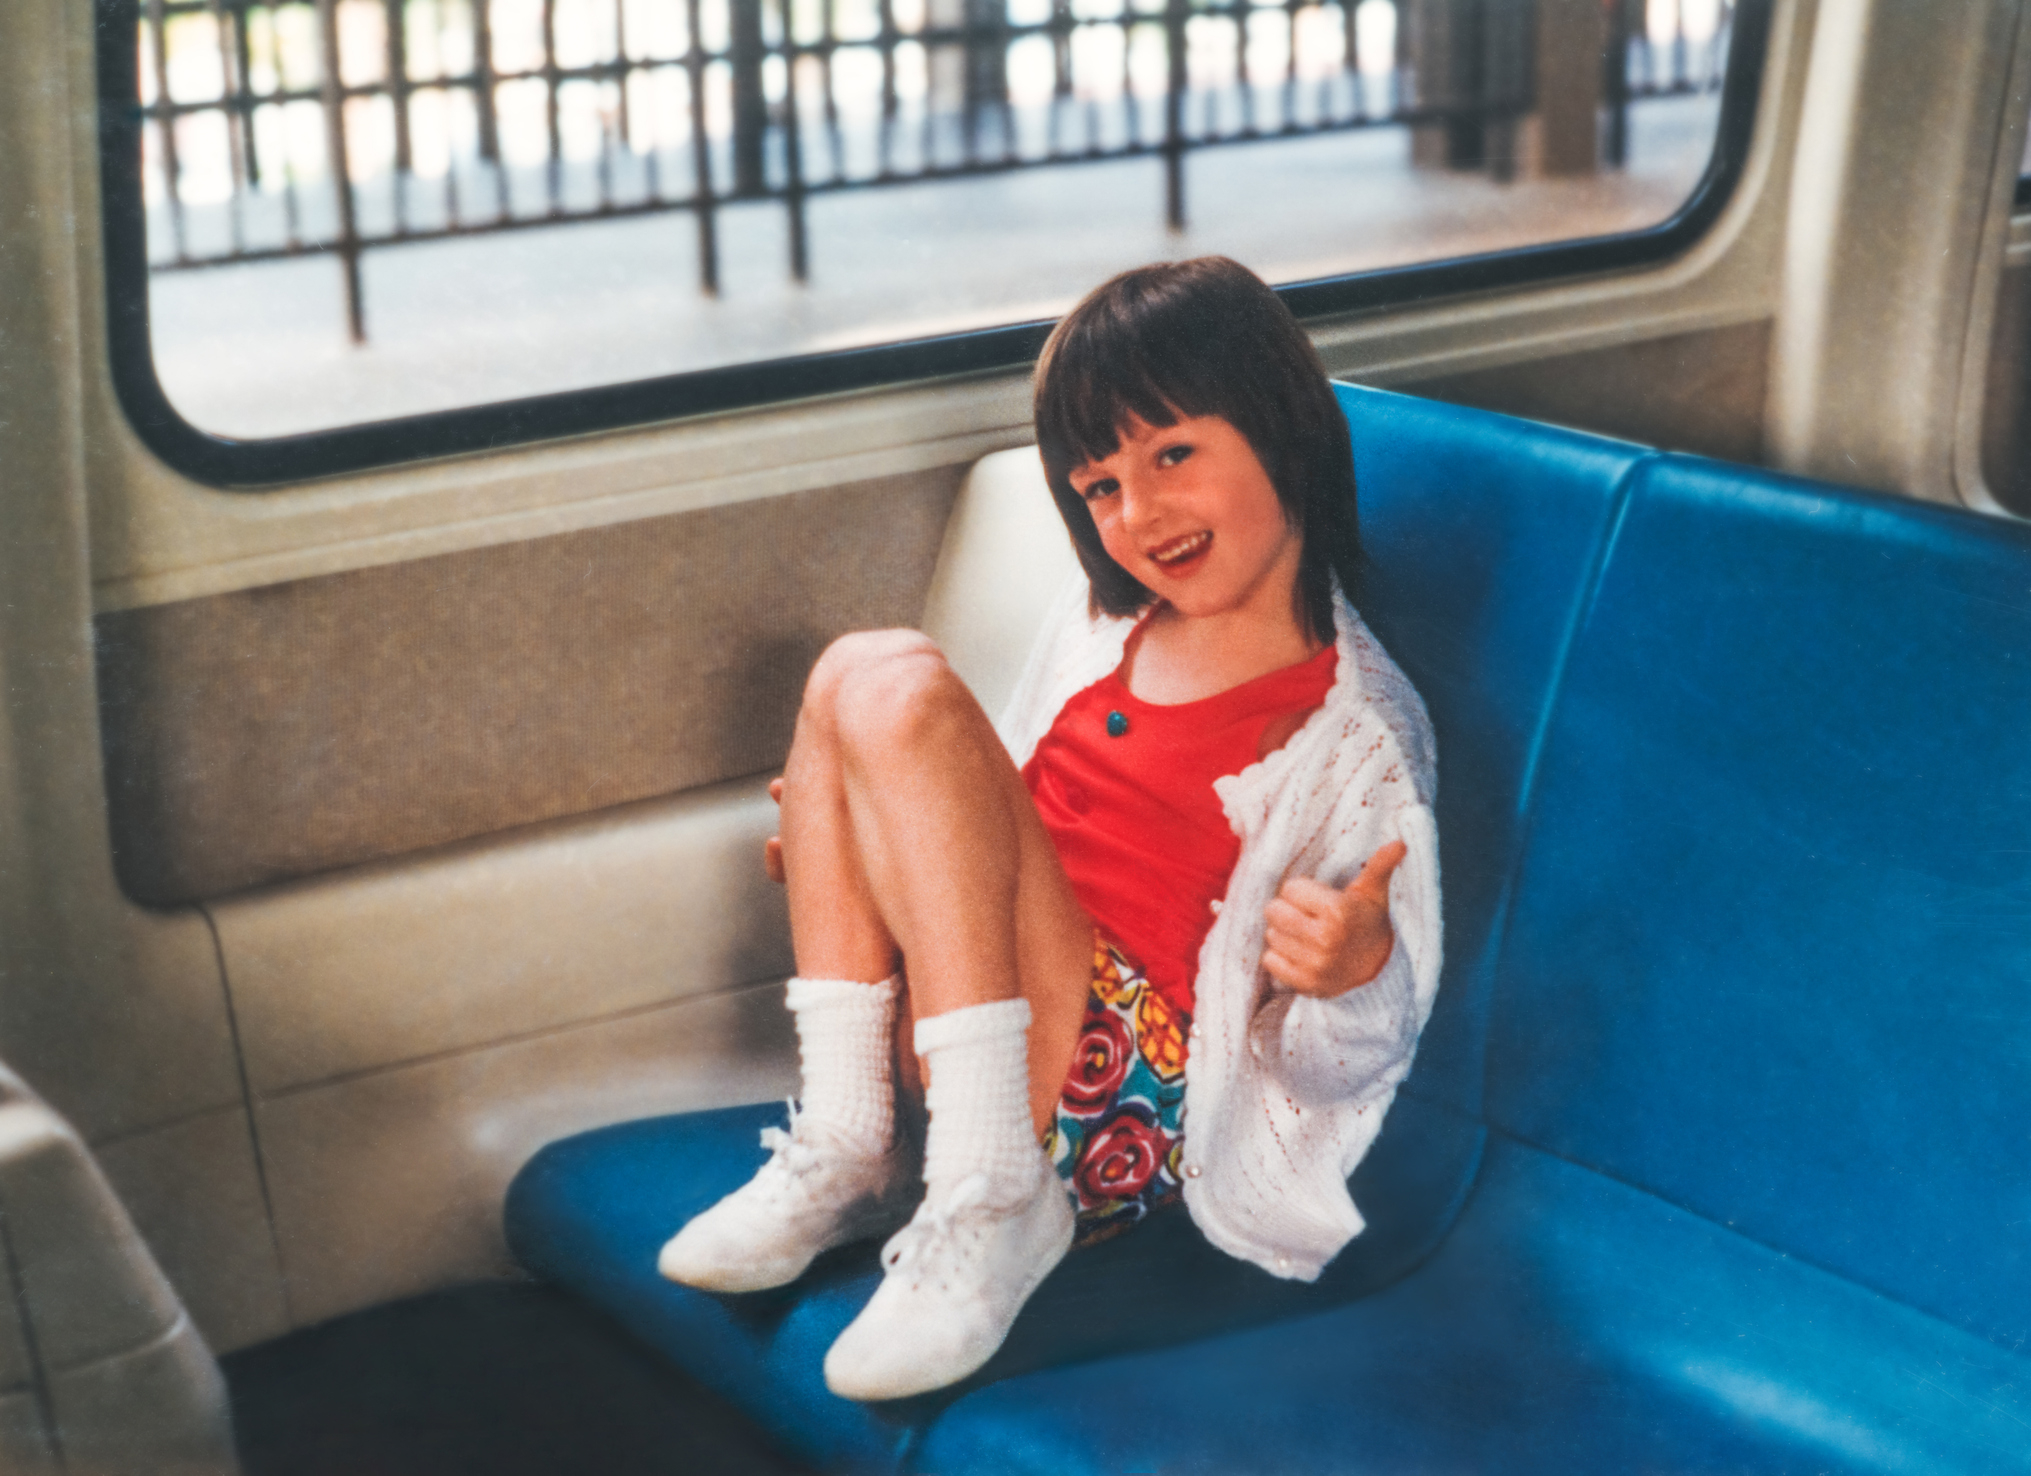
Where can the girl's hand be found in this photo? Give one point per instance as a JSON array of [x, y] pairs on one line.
[[1323, 941], [772, 848]]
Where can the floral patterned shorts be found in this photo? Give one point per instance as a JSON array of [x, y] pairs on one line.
[[1119, 1134]]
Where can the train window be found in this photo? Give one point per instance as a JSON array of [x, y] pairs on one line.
[[348, 232]]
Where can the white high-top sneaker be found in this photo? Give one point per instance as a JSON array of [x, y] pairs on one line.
[[810, 1196], [955, 1278]]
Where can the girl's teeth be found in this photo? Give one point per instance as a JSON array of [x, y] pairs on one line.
[[1175, 552]]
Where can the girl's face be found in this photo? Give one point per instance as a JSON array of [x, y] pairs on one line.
[[1189, 511]]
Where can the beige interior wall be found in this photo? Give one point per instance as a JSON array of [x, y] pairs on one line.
[[1702, 391], [296, 728]]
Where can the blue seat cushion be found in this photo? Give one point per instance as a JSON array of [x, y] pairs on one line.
[[590, 1213], [1568, 1325]]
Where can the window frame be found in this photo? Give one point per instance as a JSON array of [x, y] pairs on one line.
[[235, 465]]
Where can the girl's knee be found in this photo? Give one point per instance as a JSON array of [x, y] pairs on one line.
[[850, 656], [902, 695]]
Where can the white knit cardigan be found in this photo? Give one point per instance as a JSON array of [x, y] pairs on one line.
[[1284, 1093]]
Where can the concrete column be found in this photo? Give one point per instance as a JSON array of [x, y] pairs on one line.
[[1565, 129], [1473, 56]]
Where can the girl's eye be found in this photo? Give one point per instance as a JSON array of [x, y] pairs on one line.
[[1103, 487], [1172, 455]]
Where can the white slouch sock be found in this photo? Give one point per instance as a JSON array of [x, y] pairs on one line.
[[979, 1097], [846, 1043]]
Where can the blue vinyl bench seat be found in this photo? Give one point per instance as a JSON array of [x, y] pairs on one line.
[[1717, 1154]]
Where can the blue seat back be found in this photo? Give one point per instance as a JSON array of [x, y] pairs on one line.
[[1483, 535], [1770, 955]]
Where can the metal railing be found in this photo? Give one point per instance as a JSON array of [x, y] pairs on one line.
[[280, 128]]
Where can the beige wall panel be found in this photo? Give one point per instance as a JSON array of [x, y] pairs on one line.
[[107, 1013], [1702, 392], [24, 1442], [195, 1196], [17, 1365], [136, 1033], [563, 924], [277, 732], [158, 1411], [391, 1184]]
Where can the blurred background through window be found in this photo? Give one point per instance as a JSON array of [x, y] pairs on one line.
[[546, 195]]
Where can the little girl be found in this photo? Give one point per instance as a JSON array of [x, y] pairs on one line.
[[1178, 922]]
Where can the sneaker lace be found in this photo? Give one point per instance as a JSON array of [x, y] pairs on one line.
[[917, 1246], [786, 1149]]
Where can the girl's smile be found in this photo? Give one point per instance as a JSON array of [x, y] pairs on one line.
[[1181, 555], [1189, 511]]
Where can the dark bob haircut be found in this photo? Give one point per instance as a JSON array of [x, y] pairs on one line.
[[1202, 337]]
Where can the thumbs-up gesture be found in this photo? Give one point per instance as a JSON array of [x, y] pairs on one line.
[[1322, 940]]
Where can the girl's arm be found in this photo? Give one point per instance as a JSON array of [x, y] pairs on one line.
[[1338, 1045]]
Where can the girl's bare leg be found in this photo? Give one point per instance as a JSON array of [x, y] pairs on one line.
[[908, 834]]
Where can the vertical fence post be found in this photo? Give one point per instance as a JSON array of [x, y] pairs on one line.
[[483, 85], [233, 93], [341, 170], [890, 36], [702, 199], [398, 100], [828, 38], [165, 120], [398, 80], [1350, 54], [1244, 73], [623, 74], [1175, 12], [1290, 71], [793, 156], [1615, 84], [554, 169], [750, 101], [243, 53], [1061, 72]]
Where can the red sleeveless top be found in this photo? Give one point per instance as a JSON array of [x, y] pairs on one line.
[[1125, 788]]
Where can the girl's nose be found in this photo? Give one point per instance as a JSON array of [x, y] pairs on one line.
[[1136, 502]]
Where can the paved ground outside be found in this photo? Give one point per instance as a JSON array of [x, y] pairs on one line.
[[260, 350]]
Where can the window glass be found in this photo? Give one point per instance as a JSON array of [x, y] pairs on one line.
[[353, 210]]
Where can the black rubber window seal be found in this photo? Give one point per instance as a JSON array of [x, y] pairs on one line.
[[252, 465]]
